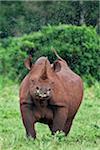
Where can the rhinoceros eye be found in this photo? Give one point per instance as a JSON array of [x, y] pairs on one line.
[[52, 82], [37, 88], [32, 80]]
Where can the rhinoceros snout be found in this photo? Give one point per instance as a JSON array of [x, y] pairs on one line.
[[43, 92]]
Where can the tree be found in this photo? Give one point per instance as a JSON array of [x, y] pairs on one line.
[[19, 17]]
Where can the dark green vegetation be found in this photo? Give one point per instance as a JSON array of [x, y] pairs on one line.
[[84, 135], [18, 17], [79, 46]]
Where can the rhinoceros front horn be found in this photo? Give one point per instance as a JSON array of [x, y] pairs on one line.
[[44, 72]]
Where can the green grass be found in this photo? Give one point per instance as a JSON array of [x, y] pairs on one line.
[[84, 135]]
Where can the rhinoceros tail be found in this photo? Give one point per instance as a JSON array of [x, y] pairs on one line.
[[57, 54]]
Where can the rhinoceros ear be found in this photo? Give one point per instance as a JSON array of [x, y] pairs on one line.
[[56, 66], [28, 62]]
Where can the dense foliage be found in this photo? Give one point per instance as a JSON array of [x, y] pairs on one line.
[[79, 46], [18, 17]]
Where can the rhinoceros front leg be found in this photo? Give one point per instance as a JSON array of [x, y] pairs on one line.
[[28, 119], [68, 126], [60, 117]]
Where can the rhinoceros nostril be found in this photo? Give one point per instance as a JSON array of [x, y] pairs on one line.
[[45, 93], [49, 90]]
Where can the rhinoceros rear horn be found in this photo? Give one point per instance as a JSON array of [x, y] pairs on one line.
[[56, 66], [28, 62]]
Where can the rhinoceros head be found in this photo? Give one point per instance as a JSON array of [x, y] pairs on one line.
[[41, 78]]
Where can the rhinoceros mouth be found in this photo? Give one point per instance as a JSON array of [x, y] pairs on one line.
[[41, 95]]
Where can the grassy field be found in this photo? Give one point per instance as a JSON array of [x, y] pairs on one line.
[[84, 135]]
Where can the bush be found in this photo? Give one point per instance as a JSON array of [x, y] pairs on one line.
[[79, 46]]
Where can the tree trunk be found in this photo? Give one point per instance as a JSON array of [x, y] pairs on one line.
[[82, 12]]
